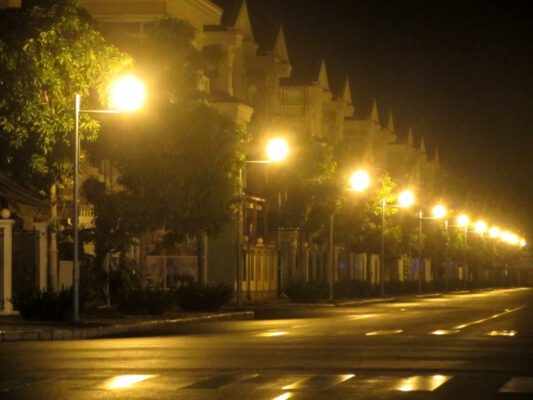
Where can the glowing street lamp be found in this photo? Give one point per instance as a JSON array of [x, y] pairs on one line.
[[359, 181], [480, 227], [463, 220], [439, 211], [522, 242], [277, 150], [494, 232], [126, 94], [405, 199]]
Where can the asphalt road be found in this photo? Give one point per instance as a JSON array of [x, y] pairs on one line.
[[468, 346]]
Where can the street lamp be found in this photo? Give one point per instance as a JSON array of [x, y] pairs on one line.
[[359, 181], [405, 199], [462, 221], [438, 212], [126, 94], [481, 227], [277, 149]]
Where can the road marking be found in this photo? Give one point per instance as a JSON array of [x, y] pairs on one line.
[[442, 332], [386, 332], [502, 333], [272, 333], [479, 321], [362, 316], [422, 383], [219, 381], [125, 381], [520, 384], [318, 382], [283, 396]]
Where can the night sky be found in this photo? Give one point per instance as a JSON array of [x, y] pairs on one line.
[[459, 72]]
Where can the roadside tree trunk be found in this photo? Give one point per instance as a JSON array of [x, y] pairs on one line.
[[52, 246]]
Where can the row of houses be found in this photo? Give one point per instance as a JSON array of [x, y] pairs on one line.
[[257, 87]]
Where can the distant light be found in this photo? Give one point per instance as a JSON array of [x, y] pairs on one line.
[[494, 232], [360, 180], [277, 149], [463, 220], [406, 198], [480, 227], [125, 381], [127, 94], [505, 236], [439, 211], [522, 242]]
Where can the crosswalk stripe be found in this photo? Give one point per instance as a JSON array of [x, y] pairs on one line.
[[520, 384], [219, 381], [318, 382]]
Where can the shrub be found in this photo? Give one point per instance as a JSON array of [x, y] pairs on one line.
[[208, 297], [353, 289], [144, 301], [44, 305], [306, 292]]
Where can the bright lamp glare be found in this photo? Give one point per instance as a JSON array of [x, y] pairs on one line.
[[481, 227], [463, 220], [522, 242], [127, 94], [277, 149], [360, 180], [506, 236], [439, 211], [406, 198], [494, 232]]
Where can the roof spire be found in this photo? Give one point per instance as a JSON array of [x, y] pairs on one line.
[[390, 125], [347, 92], [323, 76], [242, 22], [374, 114], [280, 47]]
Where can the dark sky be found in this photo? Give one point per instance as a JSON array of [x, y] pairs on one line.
[[459, 72]]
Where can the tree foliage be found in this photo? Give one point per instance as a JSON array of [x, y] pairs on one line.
[[48, 53]]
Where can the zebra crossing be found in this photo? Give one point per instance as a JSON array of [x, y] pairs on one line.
[[275, 385]]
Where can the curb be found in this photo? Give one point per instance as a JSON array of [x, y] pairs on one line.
[[114, 330]]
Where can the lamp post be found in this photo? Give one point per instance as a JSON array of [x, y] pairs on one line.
[[438, 212], [405, 199], [463, 221], [359, 182], [127, 94], [277, 150]]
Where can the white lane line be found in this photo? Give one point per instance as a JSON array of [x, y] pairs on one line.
[[422, 383], [502, 333], [519, 384], [479, 321], [386, 332]]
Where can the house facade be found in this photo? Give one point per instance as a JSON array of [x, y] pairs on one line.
[[256, 86]]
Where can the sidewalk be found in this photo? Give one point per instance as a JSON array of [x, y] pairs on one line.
[[13, 328]]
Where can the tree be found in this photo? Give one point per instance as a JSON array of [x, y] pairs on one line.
[[179, 165], [48, 53]]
